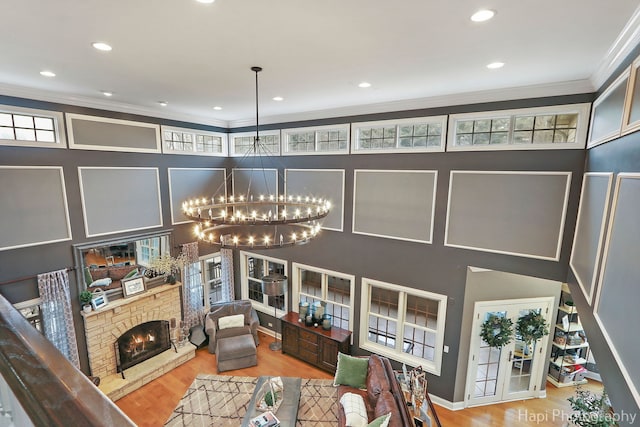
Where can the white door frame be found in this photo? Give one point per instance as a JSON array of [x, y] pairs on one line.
[[537, 368]]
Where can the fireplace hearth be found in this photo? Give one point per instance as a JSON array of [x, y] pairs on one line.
[[142, 342]]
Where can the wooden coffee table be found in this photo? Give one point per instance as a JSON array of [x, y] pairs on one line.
[[288, 410]]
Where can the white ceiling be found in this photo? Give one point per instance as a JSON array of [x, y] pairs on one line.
[[415, 53]]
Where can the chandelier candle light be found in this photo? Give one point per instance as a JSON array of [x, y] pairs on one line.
[[249, 221]]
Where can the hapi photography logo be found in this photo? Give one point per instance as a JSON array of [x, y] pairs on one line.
[[559, 416]]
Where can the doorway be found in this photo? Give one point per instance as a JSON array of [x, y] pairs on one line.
[[514, 371]]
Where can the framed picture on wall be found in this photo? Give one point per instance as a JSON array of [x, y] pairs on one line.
[[133, 286]]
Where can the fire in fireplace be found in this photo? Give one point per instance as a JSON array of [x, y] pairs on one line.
[[142, 342]]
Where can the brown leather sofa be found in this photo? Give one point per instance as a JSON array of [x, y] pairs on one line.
[[383, 394], [251, 321]]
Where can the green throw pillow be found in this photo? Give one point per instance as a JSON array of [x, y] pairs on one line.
[[382, 421], [88, 280], [131, 273], [351, 371]]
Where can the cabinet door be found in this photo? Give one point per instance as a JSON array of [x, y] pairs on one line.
[[329, 355], [289, 339]]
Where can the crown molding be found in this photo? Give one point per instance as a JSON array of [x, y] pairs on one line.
[[505, 94], [494, 95], [80, 101], [625, 43]]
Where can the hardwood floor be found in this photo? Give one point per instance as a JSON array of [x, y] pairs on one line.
[[151, 405]]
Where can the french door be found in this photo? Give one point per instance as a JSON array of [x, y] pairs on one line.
[[514, 371]]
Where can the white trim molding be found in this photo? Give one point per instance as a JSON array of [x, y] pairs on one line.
[[556, 256], [588, 294], [73, 145]]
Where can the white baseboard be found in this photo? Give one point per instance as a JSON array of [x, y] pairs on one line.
[[452, 406], [456, 406], [269, 332]]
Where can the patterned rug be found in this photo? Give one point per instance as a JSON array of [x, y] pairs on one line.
[[218, 400]]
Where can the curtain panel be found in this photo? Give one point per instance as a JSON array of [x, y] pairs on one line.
[[192, 288], [226, 265], [57, 317]]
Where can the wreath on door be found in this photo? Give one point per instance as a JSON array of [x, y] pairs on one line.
[[531, 327], [497, 331]]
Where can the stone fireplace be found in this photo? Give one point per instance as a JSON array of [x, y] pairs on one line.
[[104, 327]]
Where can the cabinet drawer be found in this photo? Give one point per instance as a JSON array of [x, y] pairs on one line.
[[309, 337], [308, 355], [308, 346]]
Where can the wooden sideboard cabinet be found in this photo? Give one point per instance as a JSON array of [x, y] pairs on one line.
[[312, 344]]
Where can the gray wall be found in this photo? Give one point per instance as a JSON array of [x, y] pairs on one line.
[[432, 267], [621, 155], [30, 261]]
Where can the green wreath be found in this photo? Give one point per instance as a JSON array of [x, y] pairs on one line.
[[497, 331], [531, 327]]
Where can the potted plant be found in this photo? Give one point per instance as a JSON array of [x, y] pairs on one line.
[[85, 298], [568, 304], [591, 410]]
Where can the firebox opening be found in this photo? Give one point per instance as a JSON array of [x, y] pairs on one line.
[[142, 342]]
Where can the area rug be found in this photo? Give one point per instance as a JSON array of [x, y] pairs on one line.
[[218, 400]]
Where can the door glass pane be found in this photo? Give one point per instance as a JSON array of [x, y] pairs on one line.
[[488, 365], [520, 375]]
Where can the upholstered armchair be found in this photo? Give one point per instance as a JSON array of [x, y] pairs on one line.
[[224, 310]]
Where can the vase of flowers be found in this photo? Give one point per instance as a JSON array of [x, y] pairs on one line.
[[167, 266]]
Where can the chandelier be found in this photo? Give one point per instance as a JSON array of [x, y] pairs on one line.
[[257, 221]]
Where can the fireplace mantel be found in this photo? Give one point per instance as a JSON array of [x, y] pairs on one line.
[[116, 306]]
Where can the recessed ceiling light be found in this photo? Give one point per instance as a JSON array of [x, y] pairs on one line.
[[47, 73], [101, 46], [495, 65], [278, 98], [107, 93], [205, 1], [364, 84], [163, 103], [217, 107], [483, 15]]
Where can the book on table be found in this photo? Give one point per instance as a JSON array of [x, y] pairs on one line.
[[266, 419]]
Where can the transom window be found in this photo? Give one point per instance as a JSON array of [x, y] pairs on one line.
[[317, 140], [314, 284], [547, 127], [242, 143], [420, 134], [253, 268], [402, 323], [187, 141], [29, 127]]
